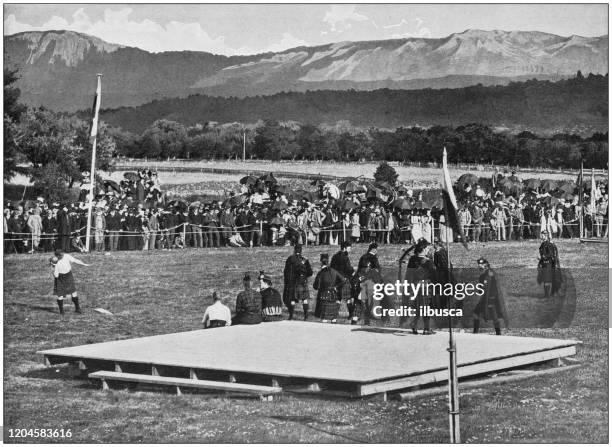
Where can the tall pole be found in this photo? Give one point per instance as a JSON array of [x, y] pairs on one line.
[[450, 206], [453, 382], [244, 147], [580, 199], [94, 134]]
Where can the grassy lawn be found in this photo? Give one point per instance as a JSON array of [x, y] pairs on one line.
[[160, 292]]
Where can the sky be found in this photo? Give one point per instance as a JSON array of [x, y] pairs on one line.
[[255, 28]]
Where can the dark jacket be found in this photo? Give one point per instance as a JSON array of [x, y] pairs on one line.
[[248, 307], [342, 263]]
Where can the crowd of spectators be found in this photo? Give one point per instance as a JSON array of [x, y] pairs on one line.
[[134, 215]]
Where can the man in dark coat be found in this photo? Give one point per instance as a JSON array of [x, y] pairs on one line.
[[342, 264], [491, 305], [549, 268], [63, 229], [326, 284], [368, 270], [421, 269], [248, 304], [296, 273]]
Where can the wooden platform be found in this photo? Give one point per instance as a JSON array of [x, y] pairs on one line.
[[354, 360]]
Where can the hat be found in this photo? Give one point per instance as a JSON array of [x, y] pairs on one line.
[[297, 248], [266, 279]]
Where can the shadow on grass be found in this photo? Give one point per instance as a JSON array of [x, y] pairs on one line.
[[57, 372], [307, 421], [32, 307]]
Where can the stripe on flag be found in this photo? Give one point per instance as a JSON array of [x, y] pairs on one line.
[[450, 202], [96, 109]]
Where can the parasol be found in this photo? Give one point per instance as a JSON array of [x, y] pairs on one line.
[[401, 204], [533, 183], [467, 179], [248, 180], [112, 184], [549, 185], [131, 176]]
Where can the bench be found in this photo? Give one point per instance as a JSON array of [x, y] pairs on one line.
[[264, 392]]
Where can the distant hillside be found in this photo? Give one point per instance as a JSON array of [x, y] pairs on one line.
[[578, 105], [58, 68]]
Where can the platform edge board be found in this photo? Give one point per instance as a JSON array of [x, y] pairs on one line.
[[191, 383], [464, 371], [55, 356], [478, 362]]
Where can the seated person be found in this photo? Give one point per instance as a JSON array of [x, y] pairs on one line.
[[217, 314], [271, 301], [248, 304], [236, 241]]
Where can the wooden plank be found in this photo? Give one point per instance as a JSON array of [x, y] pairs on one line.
[[486, 382], [179, 382], [465, 371]]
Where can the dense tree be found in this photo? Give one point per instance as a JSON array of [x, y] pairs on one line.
[[386, 173], [12, 114]]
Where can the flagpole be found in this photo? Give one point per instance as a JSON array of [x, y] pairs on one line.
[[453, 383], [580, 198], [94, 133]]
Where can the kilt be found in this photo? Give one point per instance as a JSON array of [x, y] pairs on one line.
[[301, 292], [328, 306], [64, 284], [345, 291]]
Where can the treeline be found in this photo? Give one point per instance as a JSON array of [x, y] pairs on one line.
[[289, 140], [577, 105]]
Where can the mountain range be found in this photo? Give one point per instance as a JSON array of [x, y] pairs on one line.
[[57, 69]]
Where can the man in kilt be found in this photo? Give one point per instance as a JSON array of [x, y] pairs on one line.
[[271, 301], [296, 274], [326, 284], [342, 264], [491, 305], [64, 281]]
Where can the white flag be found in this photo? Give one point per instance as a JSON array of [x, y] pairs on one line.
[[96, 109]]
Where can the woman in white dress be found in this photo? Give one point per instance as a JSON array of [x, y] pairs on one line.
[[355, 227], [417, 228], [426, 226]]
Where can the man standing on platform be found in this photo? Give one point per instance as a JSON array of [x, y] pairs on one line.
[[342, 264], [296, 274], [248, 304], [491, 305], [368, 270]]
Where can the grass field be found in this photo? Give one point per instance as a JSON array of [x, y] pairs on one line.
[[422, 176], [161, 292]]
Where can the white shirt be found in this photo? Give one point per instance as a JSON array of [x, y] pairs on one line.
[[217, 311], [63, 266]]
